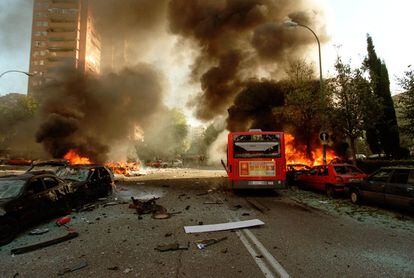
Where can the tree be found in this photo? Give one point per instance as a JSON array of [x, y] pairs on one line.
[[385, 134], [352, 103], [304, 103], [15, 109], [407, 102]]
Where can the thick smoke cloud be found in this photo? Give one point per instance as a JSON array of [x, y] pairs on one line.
[[254, 107], [128, 29], [89, 114], [238, 40]]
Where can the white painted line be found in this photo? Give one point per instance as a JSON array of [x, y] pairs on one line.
[[271, 260], [266, 271], [223, 226]]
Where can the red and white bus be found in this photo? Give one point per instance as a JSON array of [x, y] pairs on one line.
[[256, 159]]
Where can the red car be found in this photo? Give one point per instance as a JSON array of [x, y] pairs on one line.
[[331, 178]]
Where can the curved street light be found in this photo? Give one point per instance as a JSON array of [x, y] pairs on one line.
[[291, 23], [19, 71]]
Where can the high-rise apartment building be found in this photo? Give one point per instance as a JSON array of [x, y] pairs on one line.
[[63, 34]]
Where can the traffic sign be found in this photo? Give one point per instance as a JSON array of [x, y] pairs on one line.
[[324, 137]]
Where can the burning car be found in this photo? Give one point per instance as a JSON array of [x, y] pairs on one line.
[[29, 198], [91, 181], [293, 171], [331, 178]]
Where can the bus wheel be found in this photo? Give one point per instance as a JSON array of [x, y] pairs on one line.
[[330, 192]]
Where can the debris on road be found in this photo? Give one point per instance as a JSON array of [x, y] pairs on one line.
[[82, 264], [202, 244], [88, 207], [223, 226], [63, 221], [44, 244], [116, 268], [150, 206], [110, 204], [172, 247], [213, 203], [36, 232]]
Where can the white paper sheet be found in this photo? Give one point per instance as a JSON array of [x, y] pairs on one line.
[[223, 226]]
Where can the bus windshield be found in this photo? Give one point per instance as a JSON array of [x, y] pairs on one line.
[[256, 145]]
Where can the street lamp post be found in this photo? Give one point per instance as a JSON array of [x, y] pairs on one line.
[[291, 23], [19, 71]]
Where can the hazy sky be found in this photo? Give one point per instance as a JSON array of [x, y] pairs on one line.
[[349, 21]]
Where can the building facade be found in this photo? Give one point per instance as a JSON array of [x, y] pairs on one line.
[[63, 34]]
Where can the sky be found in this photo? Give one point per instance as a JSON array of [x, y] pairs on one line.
[[348, 22]]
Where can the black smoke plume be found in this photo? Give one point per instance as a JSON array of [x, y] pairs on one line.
[[88, 113], [254, 107], [238, 39]]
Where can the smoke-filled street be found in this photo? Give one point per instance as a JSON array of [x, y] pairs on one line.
[[305, 234]]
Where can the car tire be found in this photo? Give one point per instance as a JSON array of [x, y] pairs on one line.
[[330, 192], [355, 197], [8, 230]]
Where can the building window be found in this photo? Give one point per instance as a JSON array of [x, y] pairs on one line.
[[40, 43], [42, 23], [41, 62]]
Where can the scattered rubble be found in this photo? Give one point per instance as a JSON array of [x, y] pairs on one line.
[[44, 244], [82, 264], [36, 232], [150, 206], [223, 226], [202, 244], [172, 247]]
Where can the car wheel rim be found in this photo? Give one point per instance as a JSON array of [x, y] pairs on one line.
[[354, 197]]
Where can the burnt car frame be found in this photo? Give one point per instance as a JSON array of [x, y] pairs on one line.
[[389, 185], [48, 165], [91, 181], [29, 198]]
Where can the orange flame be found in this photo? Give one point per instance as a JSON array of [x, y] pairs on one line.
[[74, 158], [123, 168], [296, 154]]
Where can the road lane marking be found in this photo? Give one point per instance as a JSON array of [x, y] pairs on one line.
[[266, 271], [242, 234], [270, 259]]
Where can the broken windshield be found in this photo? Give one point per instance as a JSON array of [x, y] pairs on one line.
[[76, 174], [346, 170], [256, 145], [10, 188]]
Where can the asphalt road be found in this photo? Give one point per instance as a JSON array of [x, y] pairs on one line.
[[305, 235]]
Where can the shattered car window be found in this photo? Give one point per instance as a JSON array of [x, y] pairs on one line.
[[10, 188], [346, 170], [51, 168], [76, 174]]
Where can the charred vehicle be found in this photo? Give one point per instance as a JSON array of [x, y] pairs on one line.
[[90, 181], [48, 166], [293, 171], [29, 198]]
